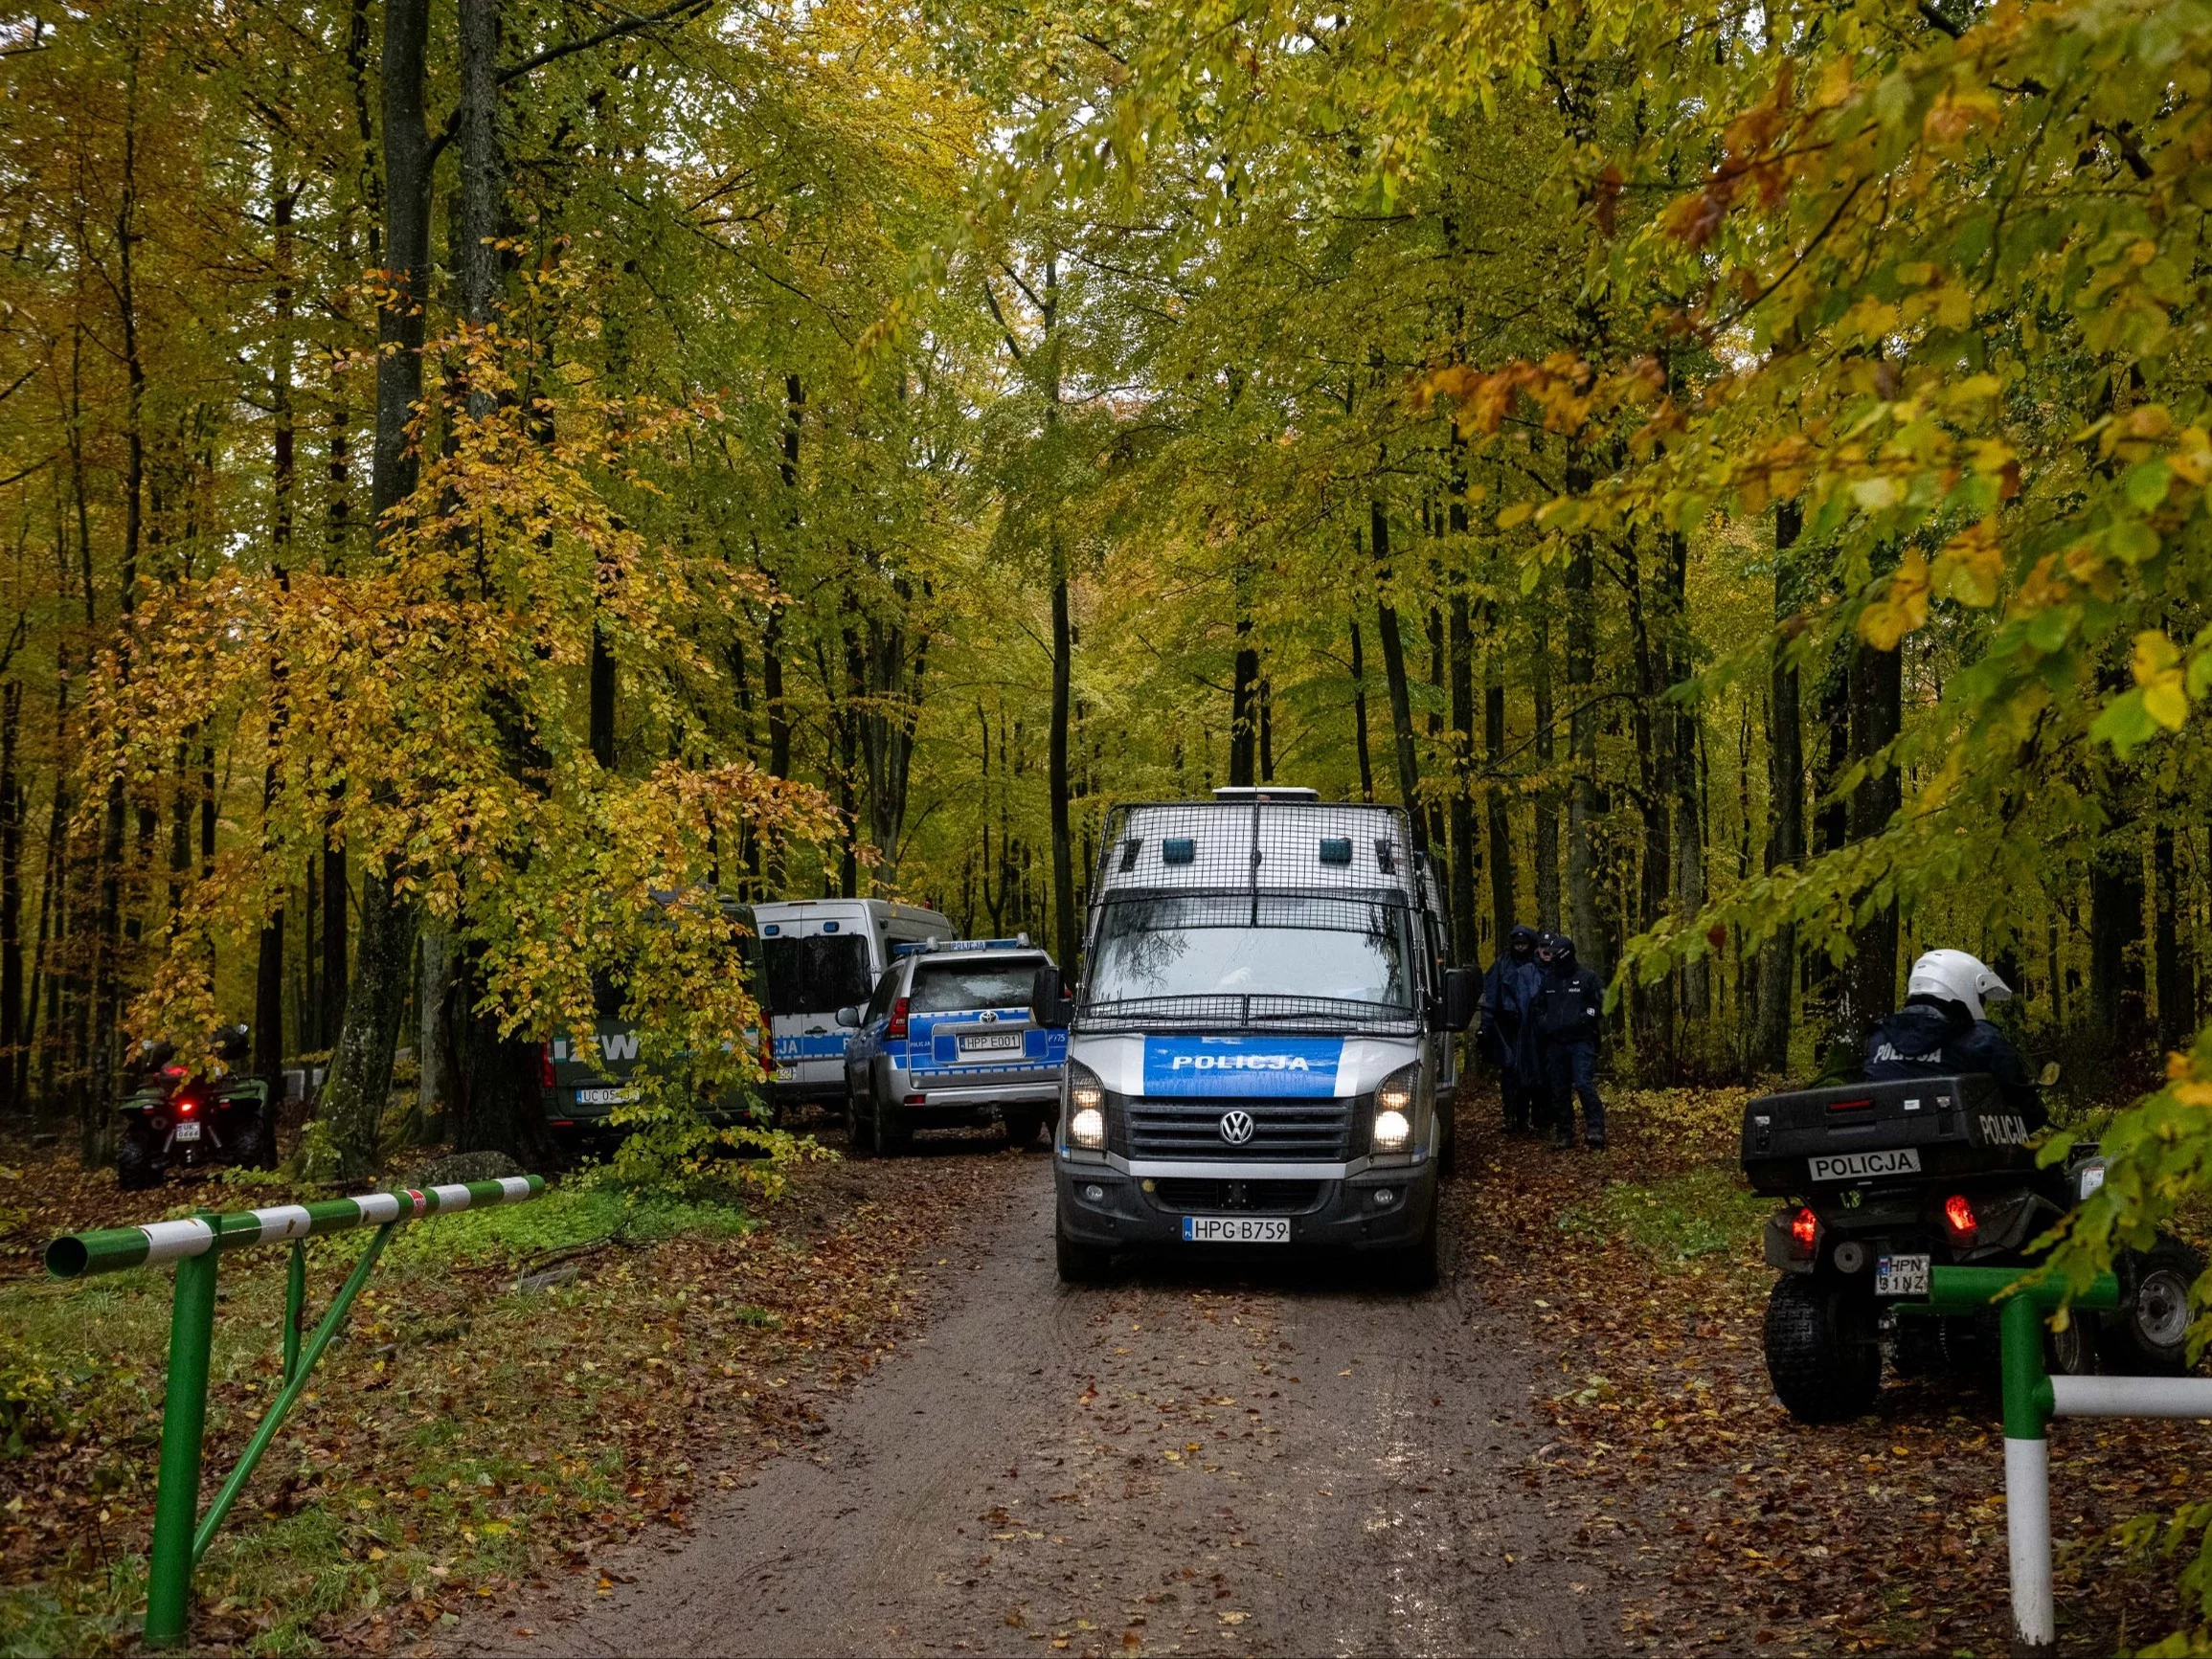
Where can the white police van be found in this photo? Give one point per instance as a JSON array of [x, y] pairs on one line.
[[1260, 1048], [820, 955]]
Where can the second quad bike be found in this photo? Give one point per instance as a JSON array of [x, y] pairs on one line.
[[1885, 1180], [175, 1119]]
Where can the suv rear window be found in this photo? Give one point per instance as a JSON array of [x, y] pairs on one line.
[[955, 987]]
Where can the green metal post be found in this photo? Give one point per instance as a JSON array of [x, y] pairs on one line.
[[2027, 1387], [295, 1302], [184, 1421], [282, 1406]]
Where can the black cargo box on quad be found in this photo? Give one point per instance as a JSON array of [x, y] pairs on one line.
[[1931, 1127]]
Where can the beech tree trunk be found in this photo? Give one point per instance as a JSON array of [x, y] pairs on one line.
[[1360, 714], [1467, 943], [1501, 826], [1394, 673], [1547, 837], [1785, 806], [360, 1076], [1582, 809]]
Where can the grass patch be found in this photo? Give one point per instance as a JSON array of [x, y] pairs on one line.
[[1700, 1212], [454, 1423], [563, 1220]]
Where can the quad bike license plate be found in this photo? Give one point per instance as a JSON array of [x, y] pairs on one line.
[[188, 1131], [1901, 1275]]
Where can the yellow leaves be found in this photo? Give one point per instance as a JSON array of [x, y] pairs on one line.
[[1902, 606], [2190, 460], [2156, 664], [1970, 564], [1957, 111], [1869, 319]]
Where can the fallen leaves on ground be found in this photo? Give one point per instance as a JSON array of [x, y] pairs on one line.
[[463, 1436], [1637, 1275]]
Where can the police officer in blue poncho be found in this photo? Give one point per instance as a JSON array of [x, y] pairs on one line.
[[1940, 1032], [1509, 1035], [1569, 1001]]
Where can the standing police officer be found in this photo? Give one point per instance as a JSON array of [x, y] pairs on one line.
[[1569, 1001], [1507, 1033]]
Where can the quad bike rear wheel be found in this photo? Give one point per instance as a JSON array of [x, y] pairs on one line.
[[137, 1164], [1823, 1349]]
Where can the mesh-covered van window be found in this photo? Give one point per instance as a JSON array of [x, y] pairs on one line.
[[1339, 952], [956, 987]]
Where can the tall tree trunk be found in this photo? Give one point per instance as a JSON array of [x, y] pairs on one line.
[[1360, 714], [1068, 925], [1243, 703], [1582, 747], [1652, 1006], [433, 993], [1785, 803], [1500, 824], [14, 1057], [1394, 671], [269, 956], [1467, 941], [2116, 976], [360, 1077], [1871, 977], [1547, 837], [2176, 987]]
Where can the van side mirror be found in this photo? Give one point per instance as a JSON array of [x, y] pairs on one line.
[[1049, 1004], [849, 1014], [1463, 991]]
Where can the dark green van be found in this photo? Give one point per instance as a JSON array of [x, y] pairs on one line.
[[580, 1097]]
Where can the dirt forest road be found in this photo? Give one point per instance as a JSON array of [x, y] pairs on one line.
[[1195, 1459]]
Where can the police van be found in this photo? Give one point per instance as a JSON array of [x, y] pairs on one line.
[[821, 955], [1260, 1048]]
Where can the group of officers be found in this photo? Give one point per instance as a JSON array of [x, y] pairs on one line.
[[1540, 1010]]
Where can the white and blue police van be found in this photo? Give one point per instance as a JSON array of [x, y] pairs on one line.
[[819, 956], [1260, 1048]]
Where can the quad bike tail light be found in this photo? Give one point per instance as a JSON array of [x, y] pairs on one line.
[[1959, 1218], [1804, 1231], [187, 1105]]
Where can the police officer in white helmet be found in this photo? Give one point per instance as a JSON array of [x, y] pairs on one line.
[[1940, 1031]]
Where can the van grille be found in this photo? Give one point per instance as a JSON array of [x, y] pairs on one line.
[[1267, 1198], [1319, 1130]]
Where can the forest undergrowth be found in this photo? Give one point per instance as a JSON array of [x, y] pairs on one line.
[[1731, 1525], [466, 1434]]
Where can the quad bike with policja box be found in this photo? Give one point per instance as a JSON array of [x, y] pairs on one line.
[[1885, 1180]]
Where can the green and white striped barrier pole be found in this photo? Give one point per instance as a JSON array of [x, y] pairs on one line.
[[2029, 1401], [196, 1245]]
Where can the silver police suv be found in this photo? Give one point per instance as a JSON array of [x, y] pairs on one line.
[[947, 1039]]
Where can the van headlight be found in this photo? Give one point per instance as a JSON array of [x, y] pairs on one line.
[[1394, 1110], [1086, 1108]]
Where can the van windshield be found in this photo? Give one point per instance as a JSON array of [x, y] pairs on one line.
[[818, 973], [1274, 957]]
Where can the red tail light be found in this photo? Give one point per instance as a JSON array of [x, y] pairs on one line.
[[1805, 1231], [1959, 1217], [545, 1071], [897, 1025], [186, 1105]]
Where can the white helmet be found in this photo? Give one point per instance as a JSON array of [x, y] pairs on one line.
[[1957, 977]]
